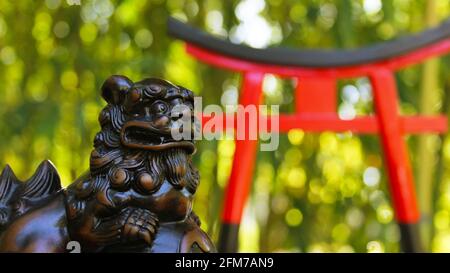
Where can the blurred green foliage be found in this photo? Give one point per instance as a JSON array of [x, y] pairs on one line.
[[317, 192]]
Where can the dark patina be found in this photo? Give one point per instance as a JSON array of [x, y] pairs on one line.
[[137, 194]]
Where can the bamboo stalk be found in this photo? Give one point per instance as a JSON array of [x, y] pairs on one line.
[[427, 144]]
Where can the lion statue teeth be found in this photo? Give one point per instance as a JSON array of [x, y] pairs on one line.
[[136, 196]]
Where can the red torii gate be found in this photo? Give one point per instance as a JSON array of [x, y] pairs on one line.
[[315, 102]]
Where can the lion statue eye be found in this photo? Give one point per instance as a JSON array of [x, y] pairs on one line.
[[159, 107], [154, 91]]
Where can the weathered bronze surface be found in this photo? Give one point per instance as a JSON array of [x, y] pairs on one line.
[[137, 195]]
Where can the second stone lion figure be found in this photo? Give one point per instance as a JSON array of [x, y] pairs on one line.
[[137, 195]]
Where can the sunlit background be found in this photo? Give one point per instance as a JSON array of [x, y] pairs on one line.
[[317, 193]]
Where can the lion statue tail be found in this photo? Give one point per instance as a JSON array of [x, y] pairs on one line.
[[17, 197]]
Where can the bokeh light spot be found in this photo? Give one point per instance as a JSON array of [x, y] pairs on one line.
[[143, 38], [61, 29], [88, 33], [69, 79], [8, 55], [385, 214], [375, 247], [294, 217], [371, 177], [295, 136]]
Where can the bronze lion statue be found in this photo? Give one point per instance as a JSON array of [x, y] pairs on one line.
[[136, 196]]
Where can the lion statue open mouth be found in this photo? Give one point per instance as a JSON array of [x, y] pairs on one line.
[[137, 195]]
